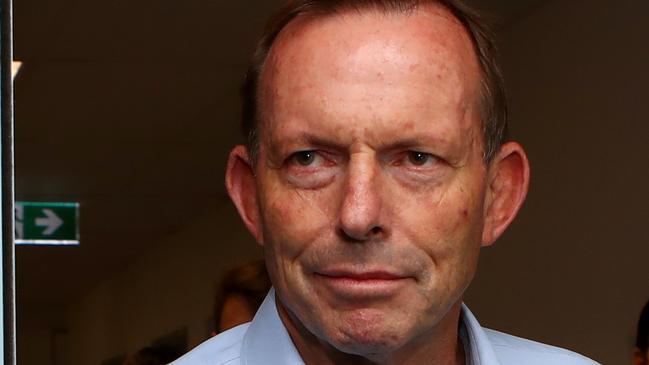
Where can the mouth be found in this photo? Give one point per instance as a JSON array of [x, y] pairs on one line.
[[362, 284]]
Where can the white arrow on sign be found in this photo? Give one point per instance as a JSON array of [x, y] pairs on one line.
[[52, 222]]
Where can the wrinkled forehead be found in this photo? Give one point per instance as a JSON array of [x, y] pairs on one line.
[[346, 37], [424, 56]]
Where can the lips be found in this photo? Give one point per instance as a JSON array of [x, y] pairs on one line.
[[361, 276], [356, 285]]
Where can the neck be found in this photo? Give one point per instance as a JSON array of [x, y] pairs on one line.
[[441, 345]]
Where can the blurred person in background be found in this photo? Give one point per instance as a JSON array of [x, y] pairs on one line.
[[239, 295], [152, 355], [641, 352]]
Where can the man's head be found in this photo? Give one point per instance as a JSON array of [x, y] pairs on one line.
[[373, 188], [492, 96], [240, 293]]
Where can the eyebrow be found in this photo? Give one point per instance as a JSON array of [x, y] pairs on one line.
[[304, 137], [315, 140], [311, 139], [418, 141]]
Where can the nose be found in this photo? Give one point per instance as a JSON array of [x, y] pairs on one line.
[[360, 212]]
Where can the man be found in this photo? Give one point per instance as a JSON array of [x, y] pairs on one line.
[[376, 169], [641, 350]]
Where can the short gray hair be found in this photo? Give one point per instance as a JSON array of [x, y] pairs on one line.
[[493, 98]]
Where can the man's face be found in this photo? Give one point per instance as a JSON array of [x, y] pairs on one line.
[[370, 179]]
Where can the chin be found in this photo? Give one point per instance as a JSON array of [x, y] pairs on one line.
[[367, 334], [376, 348]]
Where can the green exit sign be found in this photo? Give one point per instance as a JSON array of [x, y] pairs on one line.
[[47, 223]]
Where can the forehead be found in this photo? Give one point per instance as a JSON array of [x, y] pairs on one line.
[[426, 53], [429, 30]]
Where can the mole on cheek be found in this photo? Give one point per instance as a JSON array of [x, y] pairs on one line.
[[462, 219]]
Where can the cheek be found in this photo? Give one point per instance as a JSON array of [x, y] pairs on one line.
[[447, 223], [294, 219]]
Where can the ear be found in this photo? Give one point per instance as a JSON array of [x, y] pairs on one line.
[[242, 188], [508, 180]]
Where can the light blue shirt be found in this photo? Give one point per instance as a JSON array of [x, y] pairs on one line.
[[265, 341]]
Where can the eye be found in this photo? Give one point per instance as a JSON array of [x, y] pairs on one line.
[[418, 158], [306, 159], [309, 169]]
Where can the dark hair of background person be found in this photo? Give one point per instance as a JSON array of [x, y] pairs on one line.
[[153, 355], [642, 338], [250, 281], [493, 101]]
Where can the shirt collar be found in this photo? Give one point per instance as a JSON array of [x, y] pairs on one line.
[[477, 347], [268, 342]]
